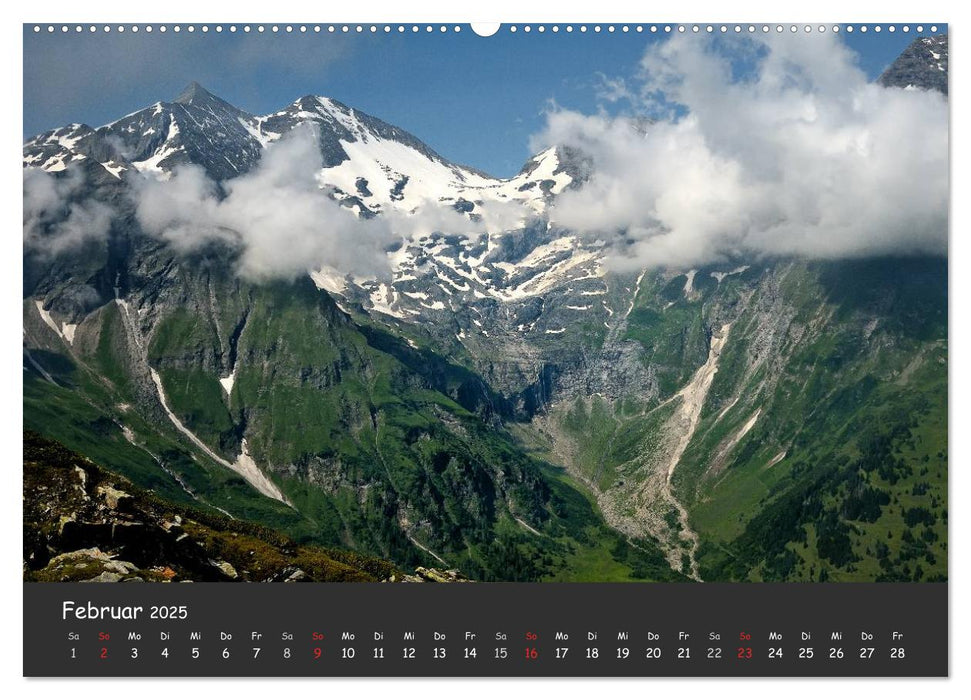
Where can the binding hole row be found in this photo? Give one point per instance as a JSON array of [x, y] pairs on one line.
[[513, 28]]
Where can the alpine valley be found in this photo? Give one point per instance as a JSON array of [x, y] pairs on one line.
[[503, 404]]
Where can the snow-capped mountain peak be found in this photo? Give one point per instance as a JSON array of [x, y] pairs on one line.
[[368, 164], [373, 168]]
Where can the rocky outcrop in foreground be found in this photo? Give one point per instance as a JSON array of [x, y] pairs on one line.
[[84, 523], [423, 575]]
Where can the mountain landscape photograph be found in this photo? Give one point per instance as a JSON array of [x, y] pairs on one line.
[[558, 307]]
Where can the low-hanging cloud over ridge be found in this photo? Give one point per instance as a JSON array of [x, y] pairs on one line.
[[800, 156], [277, 215], [754, 148]]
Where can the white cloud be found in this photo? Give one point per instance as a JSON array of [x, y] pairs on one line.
[[612, 89], [284, 224], [55, 219], [284, 221], [434, 217], [801, 157]]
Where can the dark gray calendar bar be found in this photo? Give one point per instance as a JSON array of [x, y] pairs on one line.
[[501, 629]]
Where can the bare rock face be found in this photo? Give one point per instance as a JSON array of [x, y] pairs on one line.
[[115, 499], [227, 569]]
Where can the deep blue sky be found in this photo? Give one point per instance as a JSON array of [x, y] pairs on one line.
[[475, 100]]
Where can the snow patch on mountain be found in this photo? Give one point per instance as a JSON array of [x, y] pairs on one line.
[[329, 279], [45, 315], [228, 381], [67, 332], [244, 464], [722, 275], [167, 149]]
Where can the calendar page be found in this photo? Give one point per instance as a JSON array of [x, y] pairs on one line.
[[485, 350]]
